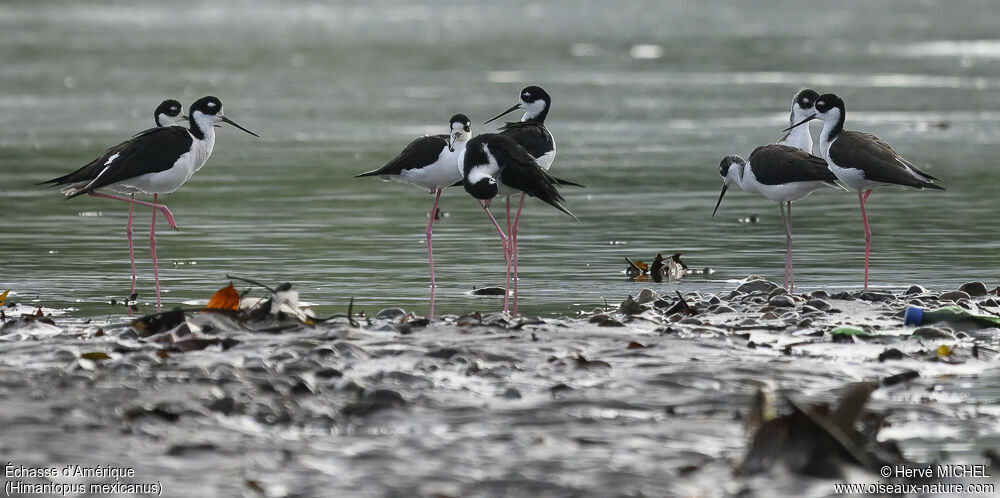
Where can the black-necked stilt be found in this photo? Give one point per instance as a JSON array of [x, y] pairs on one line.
[[494, 165], [530, 132], [862, 161], [780, 173], [430, 162], [802, 107], [157, 161], [168, 113]]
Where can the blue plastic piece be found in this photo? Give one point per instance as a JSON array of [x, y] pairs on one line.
[[914, 315]]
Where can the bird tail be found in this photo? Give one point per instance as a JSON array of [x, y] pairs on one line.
[[566, 183], [374, 172]]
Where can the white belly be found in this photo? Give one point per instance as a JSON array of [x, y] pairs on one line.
[[170, 180], [442, 173], [545, 161]]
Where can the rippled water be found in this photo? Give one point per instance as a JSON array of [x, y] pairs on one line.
[[642, 116]]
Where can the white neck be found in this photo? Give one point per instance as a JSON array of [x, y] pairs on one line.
[[205, 123], [532, 110], [799, 137]]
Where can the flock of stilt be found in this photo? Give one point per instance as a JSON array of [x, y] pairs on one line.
[[511, 163]]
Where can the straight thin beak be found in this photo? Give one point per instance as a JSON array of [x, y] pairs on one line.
[[722, 194], [810, 118], [451, 138], [230, 121], [508, 111]]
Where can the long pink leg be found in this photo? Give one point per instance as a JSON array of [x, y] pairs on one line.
[[791, 268], [503, 238], [430, 250], [513, 243], [160, 207], [152, 251], [868, 232], [784, 221], [509, 253], [131, 248]]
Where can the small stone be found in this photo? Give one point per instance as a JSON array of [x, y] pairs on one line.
[[932, 333], [806, 309], [603, 320], [915, 289], [390, 314], [954, 296], [842, 296], [724, 309], [714, 300], [781, 300], [757, 285], [646, 296], [820, 294], [819, 304], [769, 316], [876, 297], [777, 292], [630, 307], [891, 354], [511, 393], [974, 289]]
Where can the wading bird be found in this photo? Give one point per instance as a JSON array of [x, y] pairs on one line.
[[430, 162], [494, 165], [156, 161], [862, 161]]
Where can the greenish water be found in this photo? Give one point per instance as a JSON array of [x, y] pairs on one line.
[[336, 90]]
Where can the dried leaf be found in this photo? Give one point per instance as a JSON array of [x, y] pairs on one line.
[[95, 356], [642, 266], [225, 298], [943, 350], [635, 345], [3, 297]]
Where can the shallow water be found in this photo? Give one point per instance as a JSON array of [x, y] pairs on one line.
[[336, 90], [648, 97]]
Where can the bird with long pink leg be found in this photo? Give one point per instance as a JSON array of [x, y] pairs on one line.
[[494, 165], [783, 172], [156, 161], [531, 133], [430, 162], [862, 161], [168, 113]]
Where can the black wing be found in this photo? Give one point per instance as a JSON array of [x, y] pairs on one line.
[[88, 172], [519, 170], [531, 135], [878, 160], [779, 164], [419, 153], [152, 151]]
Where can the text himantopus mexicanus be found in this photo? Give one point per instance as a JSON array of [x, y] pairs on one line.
[[157, 161], [168, 113], [430, 162], [780, 173], [494, 165], [802, 107], [862, 161]]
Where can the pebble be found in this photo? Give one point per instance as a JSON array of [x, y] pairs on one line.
[[390, 314], [819, 304], [954, 296], [782, 300], [646, 296], [932, 333], [842, 296], [974, 289], [820, 294], [876, 296], [915, 289], [777, 292], [757, 285]]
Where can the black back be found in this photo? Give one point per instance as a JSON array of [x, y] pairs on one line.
[[877, 159], [780, 164], [518, 168], [532, 135], [152, 151], [421, 152]]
